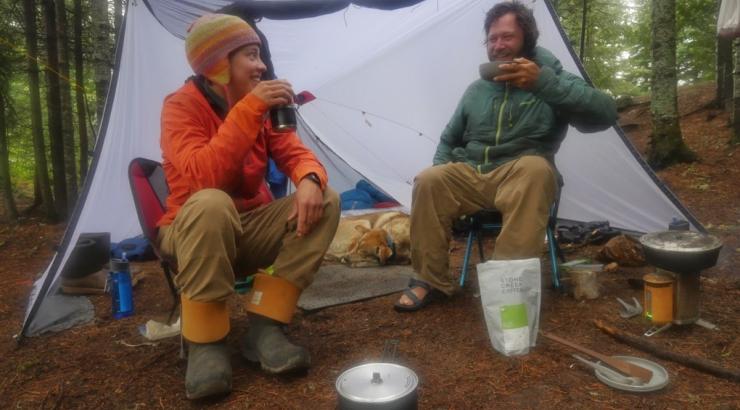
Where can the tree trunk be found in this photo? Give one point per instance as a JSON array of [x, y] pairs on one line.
[[735, 139], [68, 131], [80, 90], [11, 212], [117, 18], [37, 200], [39, 150], [100, 54], [666, 145], [54, 111], [724, 72]]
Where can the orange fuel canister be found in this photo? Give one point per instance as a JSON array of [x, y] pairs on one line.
[[658, 298]]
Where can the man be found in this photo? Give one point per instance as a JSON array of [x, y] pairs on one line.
[[497, 152], [220, 220]]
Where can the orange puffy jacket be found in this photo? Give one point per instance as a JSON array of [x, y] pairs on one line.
[[200, 150]]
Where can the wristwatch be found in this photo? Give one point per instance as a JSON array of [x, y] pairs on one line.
[[314, 178]]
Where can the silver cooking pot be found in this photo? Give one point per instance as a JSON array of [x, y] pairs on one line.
[[681, 251], [386, 386]]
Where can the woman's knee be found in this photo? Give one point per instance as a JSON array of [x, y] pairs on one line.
[[210, 206], [331, 198]]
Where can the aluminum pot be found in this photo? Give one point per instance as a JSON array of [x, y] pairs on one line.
[[386, 386], [681, 251]]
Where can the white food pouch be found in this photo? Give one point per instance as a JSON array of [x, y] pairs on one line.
[[510, 294]]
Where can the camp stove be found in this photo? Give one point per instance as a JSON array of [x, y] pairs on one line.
[[682, 255]]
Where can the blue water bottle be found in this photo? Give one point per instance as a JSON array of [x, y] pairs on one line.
[[119, 285]]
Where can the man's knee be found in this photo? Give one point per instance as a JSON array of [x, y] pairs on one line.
[[430, 177], [535, 167], [534, 171]]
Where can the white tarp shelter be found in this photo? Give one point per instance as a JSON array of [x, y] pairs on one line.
[[386, 82], [728, 19]]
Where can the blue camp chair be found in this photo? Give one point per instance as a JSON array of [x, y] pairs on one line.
[[491, 220]]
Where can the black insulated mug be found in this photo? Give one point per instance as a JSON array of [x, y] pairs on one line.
[[283, 118]]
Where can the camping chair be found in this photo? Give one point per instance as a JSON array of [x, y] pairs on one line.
[[150, 192], [491, 220]]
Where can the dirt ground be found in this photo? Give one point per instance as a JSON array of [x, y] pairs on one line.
[[93, 366]]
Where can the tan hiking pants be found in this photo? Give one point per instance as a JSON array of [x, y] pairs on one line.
[[522, 190], [212, 242]]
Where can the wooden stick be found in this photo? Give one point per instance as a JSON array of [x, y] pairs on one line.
[[659, 351], [627, 368]]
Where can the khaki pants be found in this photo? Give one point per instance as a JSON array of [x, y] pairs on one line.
[[522, 190], [211, 242]]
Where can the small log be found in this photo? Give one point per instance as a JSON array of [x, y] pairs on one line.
[[659, 351]]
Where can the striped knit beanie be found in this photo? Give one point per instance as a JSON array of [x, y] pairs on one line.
[[209, 41]]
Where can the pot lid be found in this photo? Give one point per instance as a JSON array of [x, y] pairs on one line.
[[376, 383], [680, 241]]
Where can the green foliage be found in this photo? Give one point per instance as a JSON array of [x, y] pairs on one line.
[[608, 23], [696, 21], [617, 53], [13, 65], [14, 89]]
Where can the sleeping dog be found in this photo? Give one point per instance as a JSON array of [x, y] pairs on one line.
[[371, 240]]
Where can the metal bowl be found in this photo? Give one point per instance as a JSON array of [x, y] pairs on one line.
[[491, 69], [681, 251]]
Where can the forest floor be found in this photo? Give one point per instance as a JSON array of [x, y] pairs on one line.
[[446, 344]]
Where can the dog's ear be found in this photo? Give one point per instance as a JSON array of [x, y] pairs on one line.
[[361, 229], [383, 253]]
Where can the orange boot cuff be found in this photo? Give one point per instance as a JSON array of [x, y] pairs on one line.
[[273, 297], [204, 322]]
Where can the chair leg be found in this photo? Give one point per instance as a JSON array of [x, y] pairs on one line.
[[466, 257], [173, 290], [558, 249], [554, 248], [481, 252]]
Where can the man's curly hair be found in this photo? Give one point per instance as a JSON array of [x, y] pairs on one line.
[[524, 18]]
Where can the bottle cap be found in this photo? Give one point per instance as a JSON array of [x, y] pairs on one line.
[[119, 265]]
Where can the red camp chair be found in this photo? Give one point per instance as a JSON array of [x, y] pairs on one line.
[[150, 191]]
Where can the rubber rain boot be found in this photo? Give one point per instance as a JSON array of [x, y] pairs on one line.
[[265, 343], [204, 327], [209, 370]]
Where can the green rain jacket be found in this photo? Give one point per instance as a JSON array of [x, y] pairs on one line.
[[496, 122]]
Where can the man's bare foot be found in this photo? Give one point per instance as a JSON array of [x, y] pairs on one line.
[[418, 291], [416, 296]]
